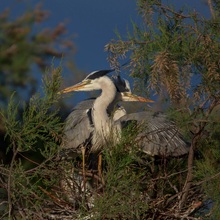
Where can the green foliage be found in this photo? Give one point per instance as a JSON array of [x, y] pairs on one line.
[[30, 125], [207, 167], [23, 47], [121, 197], [38, 119], [35, 135], [168, 47], [176, 54]]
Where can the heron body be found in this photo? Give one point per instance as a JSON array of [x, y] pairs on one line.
[[157, 136], [79, 127]]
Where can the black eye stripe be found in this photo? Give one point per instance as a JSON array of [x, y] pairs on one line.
[[97, 74]]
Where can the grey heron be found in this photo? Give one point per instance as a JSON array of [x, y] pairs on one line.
[[79, 130], [158, 136], [79, 126]]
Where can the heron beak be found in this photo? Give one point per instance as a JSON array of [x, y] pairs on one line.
[[129, 97], [78, 87]]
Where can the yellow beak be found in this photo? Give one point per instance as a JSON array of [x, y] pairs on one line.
[[76, 87], [129, 97]]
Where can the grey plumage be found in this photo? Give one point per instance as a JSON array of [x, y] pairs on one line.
[[79, 128], [156, 134]]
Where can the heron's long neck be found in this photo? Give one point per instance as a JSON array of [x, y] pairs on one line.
[[101, 119]]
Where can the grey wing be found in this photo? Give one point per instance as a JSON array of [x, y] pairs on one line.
[[157, 135], [78, 128]]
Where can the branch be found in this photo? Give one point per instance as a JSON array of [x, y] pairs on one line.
[[197, 136], [15, 151], [173, 12]]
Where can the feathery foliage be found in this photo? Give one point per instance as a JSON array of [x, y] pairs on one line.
[[34, 136], [175, 55]]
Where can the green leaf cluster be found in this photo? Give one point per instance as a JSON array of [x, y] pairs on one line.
[[122, 196], [39, 119], [35, 135], [174, 54]]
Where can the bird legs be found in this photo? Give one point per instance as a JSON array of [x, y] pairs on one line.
[[100, 165], [83, 167], [100, 169]]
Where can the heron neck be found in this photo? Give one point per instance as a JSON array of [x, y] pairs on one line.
[[100, 115]]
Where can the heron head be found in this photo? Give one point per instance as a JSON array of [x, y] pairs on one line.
[[124, 91], [121, 84], [94, 82], [90, 83]]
